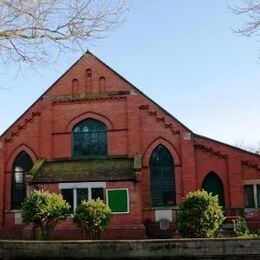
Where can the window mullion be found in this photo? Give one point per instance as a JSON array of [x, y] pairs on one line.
[[255, 195], [74, 199], [89, 194]]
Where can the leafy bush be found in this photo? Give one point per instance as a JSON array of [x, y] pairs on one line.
[[200, 215], [92, 216], [240, 227], [45, 210]]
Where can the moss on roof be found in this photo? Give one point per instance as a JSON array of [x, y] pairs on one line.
[[110, 169], [37, 166]]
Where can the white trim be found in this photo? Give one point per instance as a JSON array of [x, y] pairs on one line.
[[251, 182], [75, 199], [81, 185], [78, 185], [127, 195]]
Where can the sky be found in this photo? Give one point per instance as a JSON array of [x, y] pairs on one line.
[[184, 54]]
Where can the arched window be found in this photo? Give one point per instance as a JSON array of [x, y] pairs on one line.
[[89, 138], [162, 179], [213, 184], [22, 165]]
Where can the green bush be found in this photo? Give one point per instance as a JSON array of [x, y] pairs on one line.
[[92, 217], [240, 227], [200, 215], [45, 210]]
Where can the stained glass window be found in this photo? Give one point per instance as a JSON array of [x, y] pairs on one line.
[[89, 138]]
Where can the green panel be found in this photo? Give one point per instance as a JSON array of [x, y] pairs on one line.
[[118, 201]]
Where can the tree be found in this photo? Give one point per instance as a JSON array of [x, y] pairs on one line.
[[250, 8], [92, 217], [31, 29], [250, 148], [45, 210], [200, 215]]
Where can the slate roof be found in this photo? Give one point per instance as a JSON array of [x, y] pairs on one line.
[[106, 169]]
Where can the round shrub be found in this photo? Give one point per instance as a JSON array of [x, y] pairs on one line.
[[92, 217], [200, 215], [45, 210]]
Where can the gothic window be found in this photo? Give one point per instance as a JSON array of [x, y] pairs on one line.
[[213, 184], [162, 178], [22, 164], [89, 138]]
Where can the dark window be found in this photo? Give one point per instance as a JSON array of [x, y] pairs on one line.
[[212, 183], [90, 138], [82, 194], [97, 193], [252, 195], [162, 177], [75, 196], [67, 195], [249, 196], [258, 195], [21, 166]]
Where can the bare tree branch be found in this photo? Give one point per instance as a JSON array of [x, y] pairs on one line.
[[251, 9], [31, 29]]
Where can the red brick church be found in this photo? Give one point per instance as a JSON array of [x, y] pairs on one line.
[[93, 134]]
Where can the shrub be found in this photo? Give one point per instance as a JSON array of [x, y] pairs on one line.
[[92, 217], [240, 227], [200, 215], [45, 210]]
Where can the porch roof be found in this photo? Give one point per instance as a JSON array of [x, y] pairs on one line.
[[72, 170]]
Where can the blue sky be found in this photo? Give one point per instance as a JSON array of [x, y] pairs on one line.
[[181, 53]]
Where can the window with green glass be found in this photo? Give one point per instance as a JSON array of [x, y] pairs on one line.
[[22, 164], [118, 200], [89, 137], [162, 177]]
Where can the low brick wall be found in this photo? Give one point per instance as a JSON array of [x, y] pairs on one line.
[[132, 249]]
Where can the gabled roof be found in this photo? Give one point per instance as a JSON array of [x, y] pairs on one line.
[[121, 77]]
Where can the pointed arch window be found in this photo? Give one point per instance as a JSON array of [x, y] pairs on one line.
[[89, 138], [212, 183], [22, 164], [162, 177]]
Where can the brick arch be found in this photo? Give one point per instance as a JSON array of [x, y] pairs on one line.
[[16, 151], [87, 115], [167, 144]]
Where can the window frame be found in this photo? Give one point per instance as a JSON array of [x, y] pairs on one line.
[[256, 186], [81, 185]]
